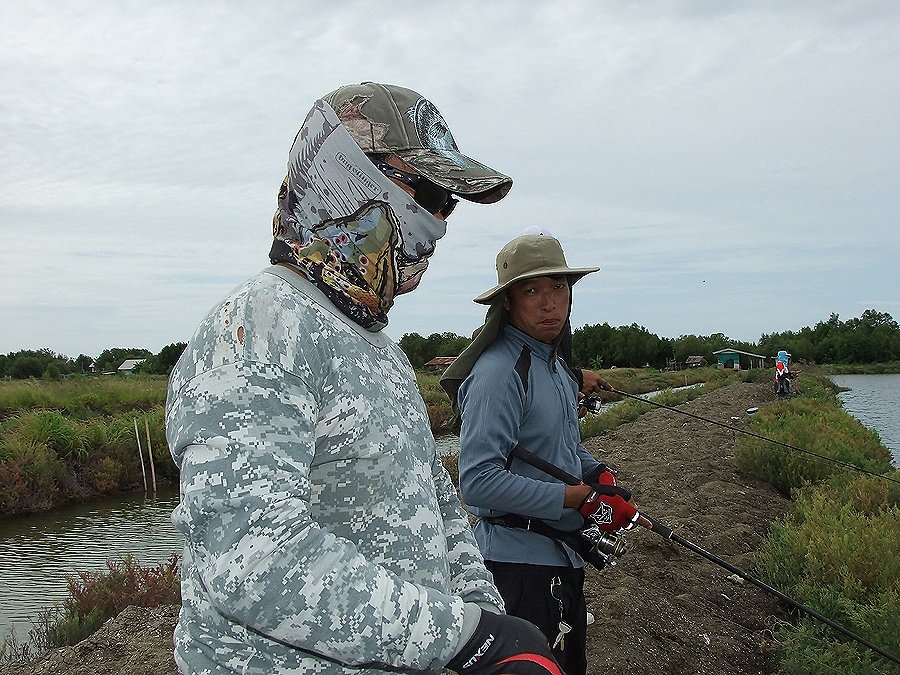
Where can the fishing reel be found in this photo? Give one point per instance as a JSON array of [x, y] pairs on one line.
[[600, 548], [593, 404]]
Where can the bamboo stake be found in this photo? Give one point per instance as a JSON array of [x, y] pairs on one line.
[[140, 452], [150, 453]]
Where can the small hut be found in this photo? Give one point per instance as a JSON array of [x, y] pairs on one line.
[[128, 366], [439, 363], [735, 358]]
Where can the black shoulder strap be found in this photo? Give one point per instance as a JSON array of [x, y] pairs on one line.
[[523, 365], [573, 372]]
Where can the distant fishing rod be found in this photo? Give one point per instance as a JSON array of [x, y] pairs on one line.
[[839, 462], [666, 533]]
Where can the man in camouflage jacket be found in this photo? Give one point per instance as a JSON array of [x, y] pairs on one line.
[[323, 534]]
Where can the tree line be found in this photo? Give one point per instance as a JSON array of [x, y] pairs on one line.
[[873, 337], [47, 364]]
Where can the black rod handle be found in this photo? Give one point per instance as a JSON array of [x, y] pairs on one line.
[[545, 466]]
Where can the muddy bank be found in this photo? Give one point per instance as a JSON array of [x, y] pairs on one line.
[[136, 642], [663, 608]]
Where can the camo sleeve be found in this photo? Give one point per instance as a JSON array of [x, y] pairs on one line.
[[469, 578], [261, 560]]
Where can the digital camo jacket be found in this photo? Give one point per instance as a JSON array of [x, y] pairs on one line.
[[323, 533]]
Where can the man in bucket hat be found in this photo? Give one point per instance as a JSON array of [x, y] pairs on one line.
[[323, 533], [511, 388]]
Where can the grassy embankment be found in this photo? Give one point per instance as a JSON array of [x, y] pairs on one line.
[[891, 368], [837, 550], [74, 440]]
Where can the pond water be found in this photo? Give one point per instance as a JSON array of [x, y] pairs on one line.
[[38, 551], [875, 401]]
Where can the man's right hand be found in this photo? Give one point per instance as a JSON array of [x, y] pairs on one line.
[[505, 644]]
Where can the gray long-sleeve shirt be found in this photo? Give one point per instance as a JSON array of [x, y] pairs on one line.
[[323, 534], [497, 413]]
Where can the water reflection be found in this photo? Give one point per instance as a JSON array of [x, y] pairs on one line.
[[38, 551]]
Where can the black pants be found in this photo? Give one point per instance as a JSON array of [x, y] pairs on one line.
[[545, 596]]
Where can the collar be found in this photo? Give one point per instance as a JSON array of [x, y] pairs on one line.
[[541, 349]]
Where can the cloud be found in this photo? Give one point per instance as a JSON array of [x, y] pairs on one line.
[[731, 166]]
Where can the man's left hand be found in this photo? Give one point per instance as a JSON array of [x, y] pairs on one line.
[[610, 512], [591, 382]]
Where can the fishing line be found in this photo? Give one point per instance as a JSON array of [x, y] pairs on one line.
[[839, 462], [666, 533]]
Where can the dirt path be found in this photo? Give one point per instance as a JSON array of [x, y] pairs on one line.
[[663, 608]]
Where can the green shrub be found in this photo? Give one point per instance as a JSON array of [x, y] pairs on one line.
[[817, 424], [48, 458], [812, 649], [63, 436], [836, 552], [95, 597], [30, 475]]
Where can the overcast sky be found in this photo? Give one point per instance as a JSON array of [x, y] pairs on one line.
[[734, 167]]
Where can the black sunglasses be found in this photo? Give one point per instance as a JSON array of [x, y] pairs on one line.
[[428, 195]]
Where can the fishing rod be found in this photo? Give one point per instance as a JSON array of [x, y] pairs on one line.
[[840, 462], [666, 532]]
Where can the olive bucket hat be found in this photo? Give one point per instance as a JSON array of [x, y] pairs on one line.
[[527, 257], [387, 119]]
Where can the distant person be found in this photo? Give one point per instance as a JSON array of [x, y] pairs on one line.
[[783, 374], [512, 389], [323, 532]]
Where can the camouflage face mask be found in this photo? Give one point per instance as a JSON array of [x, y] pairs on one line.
[[359, 237]]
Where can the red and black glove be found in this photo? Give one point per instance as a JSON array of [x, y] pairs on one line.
[[505, 644], [601, 475], [610, 507]]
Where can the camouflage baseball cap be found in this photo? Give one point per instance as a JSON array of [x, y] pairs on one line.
[[385, 118], [527, 257]]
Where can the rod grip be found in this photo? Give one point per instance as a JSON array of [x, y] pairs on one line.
[[655, 526]]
